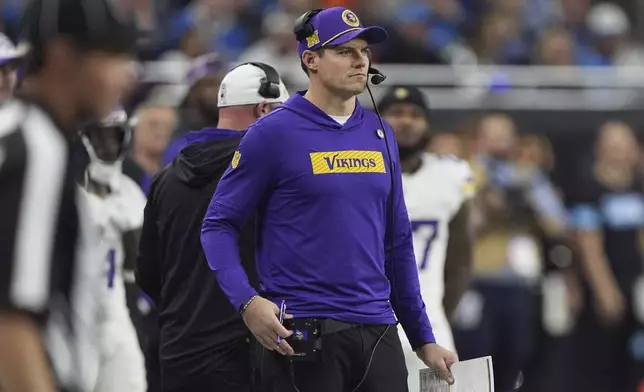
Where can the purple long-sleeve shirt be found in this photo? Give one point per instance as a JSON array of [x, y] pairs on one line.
[[321, 191]]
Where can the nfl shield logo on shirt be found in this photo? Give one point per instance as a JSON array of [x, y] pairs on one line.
[[236, 159]]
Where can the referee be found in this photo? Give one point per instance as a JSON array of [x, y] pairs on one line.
[[317, 172], [203, 341], [78, 71]]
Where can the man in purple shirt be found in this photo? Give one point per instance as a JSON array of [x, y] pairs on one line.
[[317, 172]]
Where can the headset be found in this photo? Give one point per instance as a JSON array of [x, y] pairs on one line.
[[303, 29], [269, 87]]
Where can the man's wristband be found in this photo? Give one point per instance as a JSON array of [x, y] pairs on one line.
[[247, 303]]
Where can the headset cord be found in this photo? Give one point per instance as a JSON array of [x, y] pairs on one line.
[[373, 352]]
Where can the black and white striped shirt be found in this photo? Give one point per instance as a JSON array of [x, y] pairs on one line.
[[47, 269]]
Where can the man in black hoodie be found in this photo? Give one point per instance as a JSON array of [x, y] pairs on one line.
[[203, 340]]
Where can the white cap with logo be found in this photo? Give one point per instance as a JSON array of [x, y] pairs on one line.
[[243, 84]]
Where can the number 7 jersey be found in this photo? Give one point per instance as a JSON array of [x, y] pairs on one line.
[[434, 194]]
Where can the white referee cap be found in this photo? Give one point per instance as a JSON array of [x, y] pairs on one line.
[[241, 87]]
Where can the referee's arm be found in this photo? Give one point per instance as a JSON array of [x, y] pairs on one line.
[[30, 192], [406, 298]]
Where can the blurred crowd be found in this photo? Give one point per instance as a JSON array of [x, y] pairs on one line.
[[508, 32], [556, 298]]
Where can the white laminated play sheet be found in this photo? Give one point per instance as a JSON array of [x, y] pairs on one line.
[[474, 375]]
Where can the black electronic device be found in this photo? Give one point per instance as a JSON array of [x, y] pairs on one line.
[[306, 339]]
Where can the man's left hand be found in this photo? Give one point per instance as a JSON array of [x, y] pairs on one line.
[[438, 358]]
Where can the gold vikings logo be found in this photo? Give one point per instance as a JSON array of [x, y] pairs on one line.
[[351, 161], [236, 158], [312, 39], [350, 18]]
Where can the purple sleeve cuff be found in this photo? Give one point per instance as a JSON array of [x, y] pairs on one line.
[[425, 335]]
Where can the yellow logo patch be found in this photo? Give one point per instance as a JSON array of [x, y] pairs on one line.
[[350, 18], [312, 39], [236, 158], [350, 161]]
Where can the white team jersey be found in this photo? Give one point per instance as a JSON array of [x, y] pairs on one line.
[[434, 194], [115, 214], [122, 366]]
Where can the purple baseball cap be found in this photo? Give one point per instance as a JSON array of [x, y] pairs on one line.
[[336, 26]]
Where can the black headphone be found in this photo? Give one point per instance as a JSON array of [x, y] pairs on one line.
[[269, 87], [303, 29]]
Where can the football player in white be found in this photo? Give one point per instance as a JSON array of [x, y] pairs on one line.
[[437, 191], [116, 205]]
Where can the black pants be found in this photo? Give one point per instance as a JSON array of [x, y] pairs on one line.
[[151, 352], [213, 383], [228, 369], [345, 358]]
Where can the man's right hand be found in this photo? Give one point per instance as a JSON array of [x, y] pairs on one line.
[[261, 319]]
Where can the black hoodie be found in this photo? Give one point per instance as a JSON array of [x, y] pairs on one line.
[[201, 335]]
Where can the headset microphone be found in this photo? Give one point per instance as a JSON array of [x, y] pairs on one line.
[[377, 78]]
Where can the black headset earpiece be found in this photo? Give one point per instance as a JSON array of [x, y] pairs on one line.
[[303, 28], [378, 77], [270, 85]]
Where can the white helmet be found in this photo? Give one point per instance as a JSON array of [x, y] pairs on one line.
[[106, 143]]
